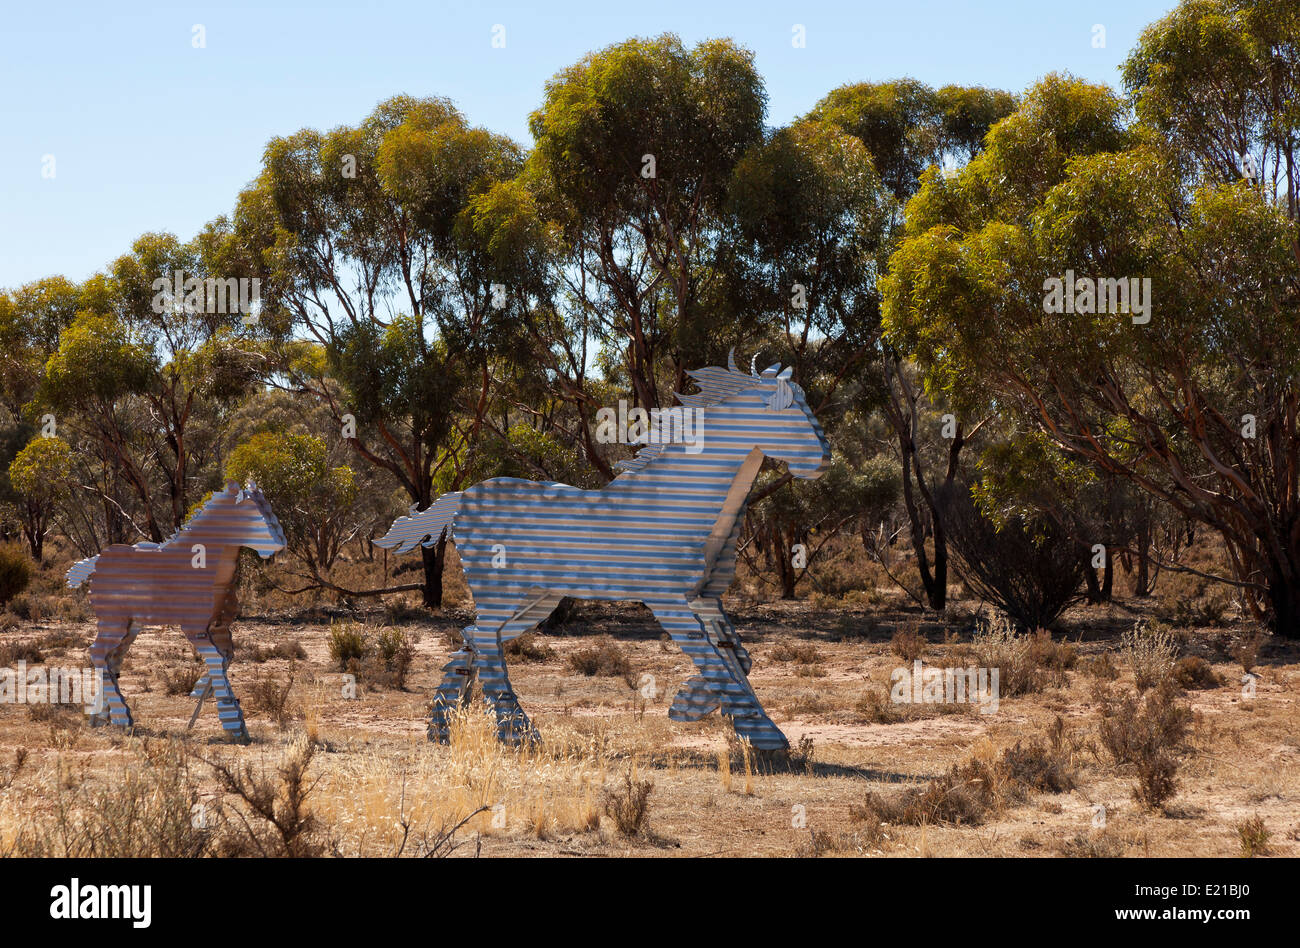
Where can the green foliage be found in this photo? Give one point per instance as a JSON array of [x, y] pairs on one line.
[[311, 499], [40, 471], [15, 572]]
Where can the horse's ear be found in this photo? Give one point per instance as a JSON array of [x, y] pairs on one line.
[[771, 370], [785, 373]]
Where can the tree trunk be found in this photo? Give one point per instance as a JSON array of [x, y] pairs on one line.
[[1142, 584], [782, 553], [1090, 577], [435, 559]]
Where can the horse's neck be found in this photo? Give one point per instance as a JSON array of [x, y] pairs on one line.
[[725, 494], [199, 533]]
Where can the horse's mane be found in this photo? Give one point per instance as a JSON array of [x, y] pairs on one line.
[[716, 384]]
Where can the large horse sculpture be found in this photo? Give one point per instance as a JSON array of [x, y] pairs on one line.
[[663, 532], [189, 581]]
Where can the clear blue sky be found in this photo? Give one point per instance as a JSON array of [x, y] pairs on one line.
[[150, 133]]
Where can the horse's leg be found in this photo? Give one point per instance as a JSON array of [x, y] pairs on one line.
[[454, 689], [106, 654], [720, 672], [696, 697], [217, 661], [222, 639], [498, 621]]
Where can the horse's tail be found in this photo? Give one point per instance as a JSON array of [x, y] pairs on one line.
[[80, 571], [423, 527]]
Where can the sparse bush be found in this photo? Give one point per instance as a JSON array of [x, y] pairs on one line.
[[347, 641], [806, 654], [1156, 779], [1045, 766], [1254, 837], [267, 694], [604, 658], [180, 681], [1193, 672], [628, 805], [395, 651], [274, 819], [15, 572], [1131, 730], [1149, 652], [908, 644], [529, 647], [1025, 663], [13, 652], [985, 783], [1031, 570], [290, 650], [1246, 649], [1102, 667]]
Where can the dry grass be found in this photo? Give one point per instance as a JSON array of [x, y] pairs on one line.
[[372, 785]]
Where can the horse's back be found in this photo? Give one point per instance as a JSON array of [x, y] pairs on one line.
[[515, 535], [158, 586]]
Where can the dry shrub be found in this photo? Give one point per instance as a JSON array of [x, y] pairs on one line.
[[1044, 766], [147, 810], [181, 680], [272, 808], [1254, 837], [1157, 781], [799, 654], [394, 653], [1146, 735], [11, 653], [1193, 672], [290, 650], [1149, 651], [876, 708], [1246, 649], [1131, 730], [529, 647], [604, 658], [271, 696], [1025, 663], [15, 572], [986, 783], [10, 773], [908, 644], [628, 805], [1101, 667], [347, 643]]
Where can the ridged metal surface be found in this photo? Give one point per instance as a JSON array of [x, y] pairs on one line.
[[186, 581], [663, 532]]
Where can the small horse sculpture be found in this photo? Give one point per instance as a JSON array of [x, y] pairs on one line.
[[188, 580], [664, 532]]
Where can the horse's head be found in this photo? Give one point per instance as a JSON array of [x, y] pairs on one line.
[[251, 518], [771, 409], [420, 528]]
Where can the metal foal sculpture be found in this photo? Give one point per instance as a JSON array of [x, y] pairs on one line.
[[663, 532], [188, 580]]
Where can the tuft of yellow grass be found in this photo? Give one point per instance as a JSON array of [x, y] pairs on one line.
[[547, 790]]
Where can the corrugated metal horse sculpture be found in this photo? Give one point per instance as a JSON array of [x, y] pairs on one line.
[[188, 580], [664, 532]]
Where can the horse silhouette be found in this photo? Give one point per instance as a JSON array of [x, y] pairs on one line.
[[188, 580], [663, 532]]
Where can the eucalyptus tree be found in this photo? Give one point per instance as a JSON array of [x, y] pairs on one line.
[[1185, 386], [376, 277], [907, 127]]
